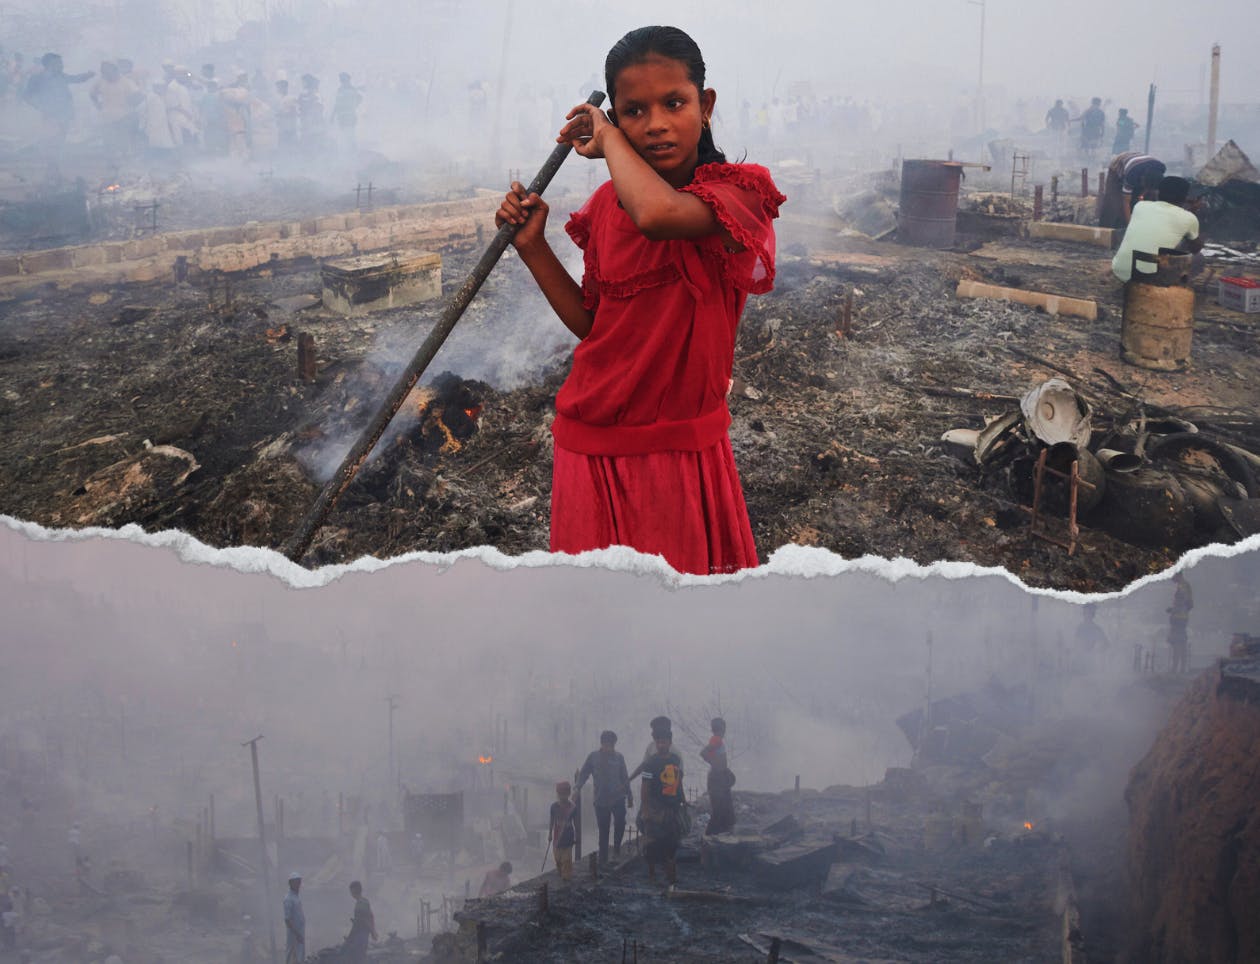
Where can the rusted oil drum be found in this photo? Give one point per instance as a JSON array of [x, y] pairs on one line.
[[929, 203], [1158, 323]]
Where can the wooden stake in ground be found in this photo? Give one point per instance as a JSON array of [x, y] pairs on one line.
[[297, 544]]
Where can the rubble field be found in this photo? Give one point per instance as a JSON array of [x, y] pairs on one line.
[[180, 405]]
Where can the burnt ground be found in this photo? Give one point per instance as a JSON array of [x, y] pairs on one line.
[[898, 890], [837, 436]]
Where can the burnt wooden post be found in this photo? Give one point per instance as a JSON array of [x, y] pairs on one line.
[[1038, 202], [577, 818], [1054, 190], [593, 863], [1084, 182], [481, 941], [306, 356], [1102, 183], [773, 956]]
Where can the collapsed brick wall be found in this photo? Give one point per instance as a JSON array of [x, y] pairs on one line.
[[1194, 858], [242, 247]]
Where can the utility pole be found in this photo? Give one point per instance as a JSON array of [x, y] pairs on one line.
[[392, 702], [980, 77], [1214, 102], [262, 847]]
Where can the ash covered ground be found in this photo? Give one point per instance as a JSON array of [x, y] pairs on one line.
[[179, 406]]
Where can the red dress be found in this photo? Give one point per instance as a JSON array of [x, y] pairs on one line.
[[642, 456]]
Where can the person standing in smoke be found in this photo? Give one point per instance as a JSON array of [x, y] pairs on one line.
[[1093, 125], [1126, 126], [116, 97], [660, 803], [181, 115], [1178, 621], [294, 923], [49, 93], [311, 114], [362, 927], [345, 113], [286, 111], [720, 782], [607, 768]]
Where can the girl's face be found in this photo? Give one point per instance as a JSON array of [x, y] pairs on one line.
[[662, 112]]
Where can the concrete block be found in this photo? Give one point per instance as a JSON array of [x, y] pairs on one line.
[[142, 248], [331, 222], [55, 259], [366, 283], [218, 236], [185, 241], [88, 255]]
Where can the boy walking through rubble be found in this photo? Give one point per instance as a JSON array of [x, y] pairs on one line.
[[563, 830], [661, 802], [720, 782]]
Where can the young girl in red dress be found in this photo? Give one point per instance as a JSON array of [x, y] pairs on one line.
[[673, 245]]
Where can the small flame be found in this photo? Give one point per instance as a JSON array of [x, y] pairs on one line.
[[485, 759], [111, 188], [1028, 825], [473, 412], [234, 644]]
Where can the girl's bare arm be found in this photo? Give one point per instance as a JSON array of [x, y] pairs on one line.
[[529, 213], [562, 292]]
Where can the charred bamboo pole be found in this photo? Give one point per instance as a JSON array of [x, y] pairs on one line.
[[297, 545]]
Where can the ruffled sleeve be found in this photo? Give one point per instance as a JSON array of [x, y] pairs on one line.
[[578, 228], [746, 202]]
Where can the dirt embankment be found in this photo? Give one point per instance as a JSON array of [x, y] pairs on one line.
[[1194, 835]]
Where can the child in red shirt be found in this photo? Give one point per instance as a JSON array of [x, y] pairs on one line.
[[673, 245]]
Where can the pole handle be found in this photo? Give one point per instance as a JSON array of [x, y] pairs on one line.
[[298, 544]]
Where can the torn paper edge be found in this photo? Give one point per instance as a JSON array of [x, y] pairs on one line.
[[808, 562]]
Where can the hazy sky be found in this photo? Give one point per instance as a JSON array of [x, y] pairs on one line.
[[1076, 46]]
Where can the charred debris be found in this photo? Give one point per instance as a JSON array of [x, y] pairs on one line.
[[215, 401]]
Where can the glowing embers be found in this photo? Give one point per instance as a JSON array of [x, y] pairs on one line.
[[446, 414]]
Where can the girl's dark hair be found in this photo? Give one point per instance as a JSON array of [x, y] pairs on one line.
[[639, 45]]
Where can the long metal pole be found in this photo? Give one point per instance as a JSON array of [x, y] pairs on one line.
[[295, 548], [262, 847], [1150, 118], [392, 701], [1214, 102]]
